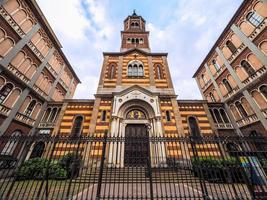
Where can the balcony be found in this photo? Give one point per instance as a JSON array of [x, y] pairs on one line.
[[4, 110], [51, 70], [36, 51], [224, 126], [11, 22], [258, 30], [46, 125], [219, 71], [63, 84], [207, 85], [247, 120], [24, 118], [39, 91], [237, 53], [18, 74], [260, 72], [231, 93]]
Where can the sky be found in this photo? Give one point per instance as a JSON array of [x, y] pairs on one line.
[[185, 29]]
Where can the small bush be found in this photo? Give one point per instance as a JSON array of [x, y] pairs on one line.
[[71, 163]]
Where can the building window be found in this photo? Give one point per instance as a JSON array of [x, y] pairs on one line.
[[11, 145], [254, 18], [203, 78], [53, 115], [159, 72], [111, 72], [231, 46], [194, 129], [227, 85], [104, 116], [213, 117], [216, 65], [168, 116], [218, 116], [135, 69], [46, 115], [30, 108], [263, 90], [77, 126], [224, 116], [249, 69], [241, 109], [5, 91], [212, 97]]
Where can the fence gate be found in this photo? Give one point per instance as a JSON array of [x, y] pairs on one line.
[[132, 167]]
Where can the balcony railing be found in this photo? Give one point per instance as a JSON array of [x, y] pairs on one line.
[[51, 70], [35, 51], [4, 110], [207, 84], [247, 120], [219, 71], [237, 53], [24, 118], [260, 72], [231, 93], [258, 29], [46, 125], [11, 22], [63, 84], [40, 91], [18, 74], [224, 126]]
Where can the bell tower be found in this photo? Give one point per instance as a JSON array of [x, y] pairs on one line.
[[134, 34]]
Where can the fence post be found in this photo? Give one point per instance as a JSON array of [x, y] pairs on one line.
[[101, 170]]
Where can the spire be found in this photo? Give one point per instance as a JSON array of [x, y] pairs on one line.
[[134, 13]]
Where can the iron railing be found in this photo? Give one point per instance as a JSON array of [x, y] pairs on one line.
[[103, 167]]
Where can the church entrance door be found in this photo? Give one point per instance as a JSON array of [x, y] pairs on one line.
[[136, 145]]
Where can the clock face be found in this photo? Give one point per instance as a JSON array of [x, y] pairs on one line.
[[135, 114]]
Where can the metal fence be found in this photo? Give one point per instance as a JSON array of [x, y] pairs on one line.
[[135, 167]]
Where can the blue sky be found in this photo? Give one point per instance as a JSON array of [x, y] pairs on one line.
[[186, 29]]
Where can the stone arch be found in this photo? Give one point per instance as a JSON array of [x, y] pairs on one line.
[[30, 72], [259, 99], [11, 6], [25, 65], [261, 8], [246, 27], [241, 73], [25, 104], [231, 80], [36, 110], [263, 46], [247, 106], [235, 112], [6, 44], [254, 61], [18, 59], [13, 97]]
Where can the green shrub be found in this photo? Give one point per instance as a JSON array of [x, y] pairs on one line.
[[35, 168], [71, 163]]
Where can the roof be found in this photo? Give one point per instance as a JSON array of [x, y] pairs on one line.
[[133, 50], [222, 35], [46, 26], [134, 15]]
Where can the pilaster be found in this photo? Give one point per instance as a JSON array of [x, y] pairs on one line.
[[151, 71], [120, 65], [94, 116]]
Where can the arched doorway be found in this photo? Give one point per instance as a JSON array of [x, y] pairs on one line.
[[38, 150], [136, 150]]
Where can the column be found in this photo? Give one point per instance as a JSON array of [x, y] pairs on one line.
[[223, 101], [94, 116], [24, 94], [160, 145], [252, 103], [259, 54], [17, 48], [113, 145]]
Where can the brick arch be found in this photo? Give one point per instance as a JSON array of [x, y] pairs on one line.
[[19, 16], [2, 81], [261, 8], [13, 97], [18, 59], [26, 102], [31, 71], [159, 71], [6, 45], [25, 65], [241, 73], [263, 46], [27, 25], [259, 99], [235, 40], [235, 112], [36, 110], [215, 94], [246, 27], [254, 61], [12, 6], [231, 80], [222, 89], [246, 106]]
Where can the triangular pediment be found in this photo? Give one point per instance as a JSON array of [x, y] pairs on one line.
[[134, 88]]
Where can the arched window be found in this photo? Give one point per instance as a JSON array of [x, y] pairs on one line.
[[241, 109], [212, 114], [159, 72], [5, 91], [77, 126], [254, 18], [53, 115], [30, 108], [11, 145], [194, 129], [224, 116], [104, 116], [263, 90], [227, 85], [133, 40], [216, 65], [111, 73], [38, 150], [168, 116], [249, 69], [231, 46], [203, 77], [212, 97], [46, 115], [135, 69], [137, 41]]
